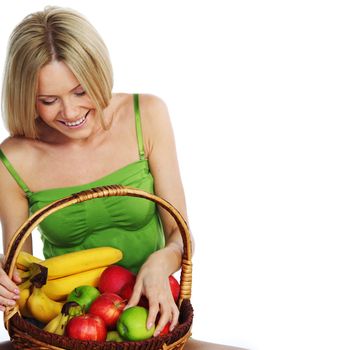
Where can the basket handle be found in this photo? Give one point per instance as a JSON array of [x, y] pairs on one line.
[[34, 220]]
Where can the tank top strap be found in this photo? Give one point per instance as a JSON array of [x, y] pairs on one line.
[[138, 127], [14, 173]]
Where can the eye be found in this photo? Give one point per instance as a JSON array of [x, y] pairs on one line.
[[80, 93], [48, 101]]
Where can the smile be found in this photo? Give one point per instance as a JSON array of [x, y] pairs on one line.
[[76, 123]]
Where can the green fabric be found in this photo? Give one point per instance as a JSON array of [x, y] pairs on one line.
[[138, 126], [13, 172], [128, 223]]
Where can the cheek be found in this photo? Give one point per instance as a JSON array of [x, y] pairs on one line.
[[88, 103], [46, 112]]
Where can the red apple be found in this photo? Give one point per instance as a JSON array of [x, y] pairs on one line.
[[165, 329], [108, 306], [87, 327], [114, 278], [175, 288], [126, 291]]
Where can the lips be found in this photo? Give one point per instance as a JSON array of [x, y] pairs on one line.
[[75, 123]]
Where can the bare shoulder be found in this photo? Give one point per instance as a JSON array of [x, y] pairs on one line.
[[18, 147], [153, 108], [155, 116], [13, 199], [156, 124], [21, 153]]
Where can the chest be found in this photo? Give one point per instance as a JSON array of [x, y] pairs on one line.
[[73, 224], [52, 168]]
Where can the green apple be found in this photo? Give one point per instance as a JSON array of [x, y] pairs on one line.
[[114, 336], [84, 296], [132, 324]]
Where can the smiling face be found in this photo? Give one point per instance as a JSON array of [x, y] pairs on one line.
[[62, 103]]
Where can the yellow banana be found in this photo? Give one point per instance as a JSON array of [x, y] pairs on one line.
[[24, 285], [80, 261], [24, 260], [23, 297], [22, 302], [62, 324], [38, 275], [58, 324], [59, 288], [69, 310], [23, 274], [42, 307], [53, 324]]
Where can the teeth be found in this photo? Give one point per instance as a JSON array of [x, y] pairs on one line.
[[77, 122]]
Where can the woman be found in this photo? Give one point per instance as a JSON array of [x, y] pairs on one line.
[[62, 116]]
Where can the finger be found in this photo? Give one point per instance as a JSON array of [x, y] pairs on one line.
[[16, 277], [164, 319], [6, 296], [152, 313], [6, 301], [7, 283], [175, 318], [135, 297]]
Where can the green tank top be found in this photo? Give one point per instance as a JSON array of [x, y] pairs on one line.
[[128, 223]]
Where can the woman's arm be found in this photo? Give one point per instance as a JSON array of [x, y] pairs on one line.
[[160, 150], [13, 213]]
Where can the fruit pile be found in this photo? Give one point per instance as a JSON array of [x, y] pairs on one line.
[[83, 295]]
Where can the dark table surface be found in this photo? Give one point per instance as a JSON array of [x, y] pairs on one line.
[[6, 345]]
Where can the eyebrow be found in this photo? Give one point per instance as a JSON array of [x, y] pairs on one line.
[[42, 95]]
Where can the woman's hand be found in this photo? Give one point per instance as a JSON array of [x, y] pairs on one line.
[[9, 292], [153, 282]]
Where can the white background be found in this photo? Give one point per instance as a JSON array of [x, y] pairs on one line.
[[258, 92]]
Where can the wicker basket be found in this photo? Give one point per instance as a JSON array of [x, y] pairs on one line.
[[24, 335]]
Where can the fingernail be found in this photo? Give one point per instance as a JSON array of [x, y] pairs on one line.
[[156, 334], [16, 297], [149, 325], [16, 291]]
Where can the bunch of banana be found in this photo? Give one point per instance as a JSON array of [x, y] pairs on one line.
[[75, 262], [48, 282], [25, 291], [58, 324], [41, 307], [34, 302], [24, 260], [59, 288]]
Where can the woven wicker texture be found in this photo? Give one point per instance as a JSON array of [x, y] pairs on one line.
[[24, 335]]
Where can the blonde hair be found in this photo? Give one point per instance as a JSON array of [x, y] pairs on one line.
[[53, 34]]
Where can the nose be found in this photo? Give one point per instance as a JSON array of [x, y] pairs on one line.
[[70, 110]]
